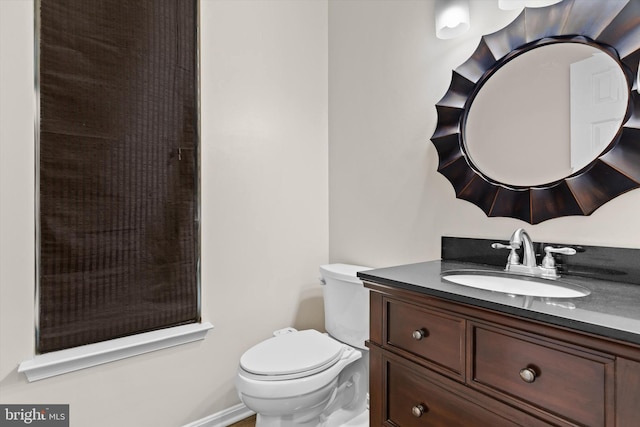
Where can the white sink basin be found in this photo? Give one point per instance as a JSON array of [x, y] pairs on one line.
[[515, 284]]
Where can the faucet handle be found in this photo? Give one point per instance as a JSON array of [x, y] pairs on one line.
[[563, 251], [500, 246], [548, 261], [513, 258]]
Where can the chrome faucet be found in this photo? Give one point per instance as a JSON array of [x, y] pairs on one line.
[[521, 239]]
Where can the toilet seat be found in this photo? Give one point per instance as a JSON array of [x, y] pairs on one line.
[[292, 355]]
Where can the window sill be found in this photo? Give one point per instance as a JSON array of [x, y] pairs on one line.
[[73, 359]]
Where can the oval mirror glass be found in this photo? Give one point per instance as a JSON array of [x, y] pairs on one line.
[[546, 114]]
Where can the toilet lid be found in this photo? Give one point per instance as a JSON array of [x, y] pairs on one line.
[[292, 355]]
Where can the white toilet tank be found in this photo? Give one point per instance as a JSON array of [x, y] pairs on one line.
[[346, 304]]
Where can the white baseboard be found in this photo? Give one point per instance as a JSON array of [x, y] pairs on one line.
[[224, 418]]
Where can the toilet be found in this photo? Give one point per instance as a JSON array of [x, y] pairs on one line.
[[308, 378]]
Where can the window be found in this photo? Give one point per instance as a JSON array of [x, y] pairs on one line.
[[118, 226]]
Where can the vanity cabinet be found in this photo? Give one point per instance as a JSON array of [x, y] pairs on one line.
[[440, 363]]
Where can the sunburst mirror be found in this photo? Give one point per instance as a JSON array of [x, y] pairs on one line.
[[468, 139]]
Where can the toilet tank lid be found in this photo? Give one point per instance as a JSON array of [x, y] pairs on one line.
[[345, 272]]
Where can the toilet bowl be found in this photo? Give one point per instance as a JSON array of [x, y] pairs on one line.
[[307, 378], [300, 393]]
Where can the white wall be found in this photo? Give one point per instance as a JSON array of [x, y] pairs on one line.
[[264, 209], [388, 203], [264, 173]]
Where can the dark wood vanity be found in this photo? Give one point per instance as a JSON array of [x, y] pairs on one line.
[[438, 362]]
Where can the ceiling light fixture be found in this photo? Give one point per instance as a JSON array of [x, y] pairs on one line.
[[452, 18], [521, 4]]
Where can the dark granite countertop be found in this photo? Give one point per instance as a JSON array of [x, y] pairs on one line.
[[611, 310]]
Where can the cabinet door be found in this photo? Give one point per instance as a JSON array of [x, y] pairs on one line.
[[566, 382], [436, 338], [627, 393], [413, 398]]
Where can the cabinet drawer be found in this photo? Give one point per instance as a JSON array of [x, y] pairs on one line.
[[566, 382], [431, 335], [416, 401]]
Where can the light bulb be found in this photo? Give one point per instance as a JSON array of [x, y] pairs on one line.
[[452, 18], [520, 4]]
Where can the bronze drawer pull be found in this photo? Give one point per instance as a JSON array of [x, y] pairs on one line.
[[528, 375], [418, 410], [418, 334]]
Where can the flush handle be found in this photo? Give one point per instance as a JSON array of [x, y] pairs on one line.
[[418, 410], [528, 375], [418, 334]]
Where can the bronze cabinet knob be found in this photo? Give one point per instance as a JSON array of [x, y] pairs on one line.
[[418, 334], [528, 375], [418, 410]]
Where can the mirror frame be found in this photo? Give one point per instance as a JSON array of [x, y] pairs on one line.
[[613, 27]]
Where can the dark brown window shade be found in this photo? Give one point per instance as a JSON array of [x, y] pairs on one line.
[[119, 237]]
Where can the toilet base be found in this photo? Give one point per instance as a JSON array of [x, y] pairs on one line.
[[335, 420], [345, 407], [361, 420]]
